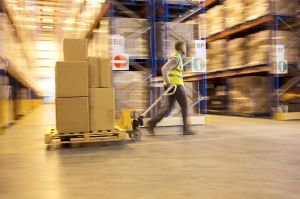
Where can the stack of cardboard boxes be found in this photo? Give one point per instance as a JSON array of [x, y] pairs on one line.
[[134, 31], [216, 55], [261, 46], [167, 34], [250, 95], [84, 94], [236, 52], [215, 20], [235, 12], [260, 8]]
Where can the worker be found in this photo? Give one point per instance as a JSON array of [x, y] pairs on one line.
[[172, 73]]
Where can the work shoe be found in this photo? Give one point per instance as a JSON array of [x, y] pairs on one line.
[[150, 129], [189, 132]]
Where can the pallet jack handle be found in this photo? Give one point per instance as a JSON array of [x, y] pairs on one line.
[[166, 93]]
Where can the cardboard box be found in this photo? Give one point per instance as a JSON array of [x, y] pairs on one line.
[[71, 79], [102, 109], [75, 49], [100, 71], [72, 114]]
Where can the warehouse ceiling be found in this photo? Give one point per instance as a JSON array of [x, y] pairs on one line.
[[42, 24]]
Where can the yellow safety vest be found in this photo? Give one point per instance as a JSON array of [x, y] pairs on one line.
[[176, 74]]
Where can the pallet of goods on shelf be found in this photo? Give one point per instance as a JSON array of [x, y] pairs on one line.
[[261, 46], [236, 52], [258, 8], [218, 100], [135, 46], [216, 54], [132, 29], [250, 95], [234, 12], [167, 33], [215, 20]]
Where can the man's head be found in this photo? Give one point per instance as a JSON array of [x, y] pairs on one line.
[[181, 47]]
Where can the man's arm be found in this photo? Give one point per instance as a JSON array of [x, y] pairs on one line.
[[171, 64]]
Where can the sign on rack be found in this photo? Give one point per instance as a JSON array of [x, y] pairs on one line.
[[281, 64], [199, 62], [117, 44], [120, 62]]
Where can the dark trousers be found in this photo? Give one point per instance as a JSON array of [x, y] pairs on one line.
[[180, 97]]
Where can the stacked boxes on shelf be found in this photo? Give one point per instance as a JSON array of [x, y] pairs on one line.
[[250, 95], [218, 99], [236, 52], [134, 31], [215, 20], [131, 90], [260, 8], [235, 12], [216, 54], [168, 33], [135, 42], [82, 104], [260, 46], [291, 99]]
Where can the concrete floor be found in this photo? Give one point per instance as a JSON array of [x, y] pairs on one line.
[[231, 158]]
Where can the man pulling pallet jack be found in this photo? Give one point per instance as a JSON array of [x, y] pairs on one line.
[[172, 73]]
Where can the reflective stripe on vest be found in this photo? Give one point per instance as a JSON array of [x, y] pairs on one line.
[[176, 74]]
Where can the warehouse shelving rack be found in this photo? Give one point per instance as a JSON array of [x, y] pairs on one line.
[[11, 104], [163, 10], [271, 21], [159, 10]]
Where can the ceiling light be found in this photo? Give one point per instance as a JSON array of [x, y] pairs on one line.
[[47, 20], [69, 21], [47, 27], [47, 9], [29, 26], [29, 8], [68, 28], [17, 8], [30, 19]]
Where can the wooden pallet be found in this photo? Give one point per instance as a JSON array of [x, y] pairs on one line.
[[53, 137]]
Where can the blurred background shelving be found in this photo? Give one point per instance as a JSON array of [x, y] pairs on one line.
[[241, 37]]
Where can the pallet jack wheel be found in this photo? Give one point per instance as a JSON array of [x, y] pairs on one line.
[[135, 135]]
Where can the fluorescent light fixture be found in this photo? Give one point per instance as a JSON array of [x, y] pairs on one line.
[[47, 20], [18, 8], [69, 21], [30, 26], [29, 8], [68, 28], [30, 19], [47, 9], [47, 27]]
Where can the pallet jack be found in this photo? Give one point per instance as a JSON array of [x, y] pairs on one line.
[[135, 134]]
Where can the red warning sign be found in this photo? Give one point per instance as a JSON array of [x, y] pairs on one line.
[[120, 62]]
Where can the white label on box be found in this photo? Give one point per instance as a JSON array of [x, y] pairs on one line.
[[120, 62], [117, 44]]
